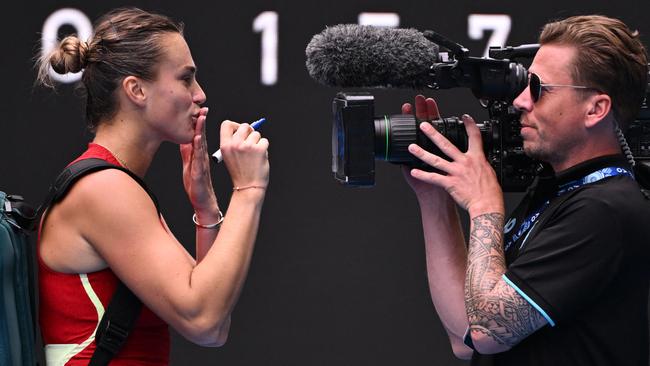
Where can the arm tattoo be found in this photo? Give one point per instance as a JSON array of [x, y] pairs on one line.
[[493, 307]]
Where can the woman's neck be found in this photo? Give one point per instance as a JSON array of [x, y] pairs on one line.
[[127, 143]]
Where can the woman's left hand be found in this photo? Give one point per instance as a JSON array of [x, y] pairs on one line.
[[196, 172]]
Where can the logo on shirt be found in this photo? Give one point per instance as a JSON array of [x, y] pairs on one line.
[[510, 225]]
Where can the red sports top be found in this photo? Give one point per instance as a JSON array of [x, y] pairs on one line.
[[72, 304]]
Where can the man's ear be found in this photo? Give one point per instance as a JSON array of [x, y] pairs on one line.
[[599, 107], [134, 90]]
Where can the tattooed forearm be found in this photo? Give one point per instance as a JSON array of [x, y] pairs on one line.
[[486, 262], [494, 308], [503, 315]]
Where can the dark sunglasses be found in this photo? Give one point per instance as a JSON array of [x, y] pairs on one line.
[[536, 86]]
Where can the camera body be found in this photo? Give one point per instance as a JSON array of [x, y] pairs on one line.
[[359, 137]]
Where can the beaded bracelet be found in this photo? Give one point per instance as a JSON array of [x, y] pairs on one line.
[[210, 226], [247, 187]]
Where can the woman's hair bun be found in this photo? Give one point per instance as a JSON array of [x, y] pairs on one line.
[[71, 56]]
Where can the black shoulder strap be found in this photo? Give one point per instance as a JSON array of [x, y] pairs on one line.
[[74, 172], [124, 307], [116, 325]]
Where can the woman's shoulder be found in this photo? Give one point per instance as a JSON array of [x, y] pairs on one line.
[[106, 187]]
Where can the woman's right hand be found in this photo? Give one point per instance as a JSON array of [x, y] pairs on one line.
[[245, 153]]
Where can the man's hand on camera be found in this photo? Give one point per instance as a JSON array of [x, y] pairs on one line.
[[425, 110], [469, 179]]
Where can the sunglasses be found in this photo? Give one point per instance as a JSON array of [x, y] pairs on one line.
[[536, 86]]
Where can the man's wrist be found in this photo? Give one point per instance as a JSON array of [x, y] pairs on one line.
[[431, 193], [486, 208]]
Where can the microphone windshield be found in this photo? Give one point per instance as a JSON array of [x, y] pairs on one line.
[[350, 55]]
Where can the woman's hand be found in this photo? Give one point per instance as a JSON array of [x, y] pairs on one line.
[[245, 153], [196, 173]]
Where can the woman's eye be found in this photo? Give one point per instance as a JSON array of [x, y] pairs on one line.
[[188, 79]]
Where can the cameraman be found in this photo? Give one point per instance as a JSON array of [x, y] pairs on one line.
[[564, 280]]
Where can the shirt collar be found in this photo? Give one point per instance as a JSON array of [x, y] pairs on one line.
[[589, 166], [549, 181]]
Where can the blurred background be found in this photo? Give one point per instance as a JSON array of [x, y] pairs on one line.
[[338, 276]]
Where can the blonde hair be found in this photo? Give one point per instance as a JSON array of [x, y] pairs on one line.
[[610, 58], [71, 56]]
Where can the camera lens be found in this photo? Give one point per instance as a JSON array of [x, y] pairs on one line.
[[454, 130], [393, 135]]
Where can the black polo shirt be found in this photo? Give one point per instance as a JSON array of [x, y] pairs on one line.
[[585, 267]]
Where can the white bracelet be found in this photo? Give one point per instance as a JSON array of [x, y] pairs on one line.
[[210, 226]]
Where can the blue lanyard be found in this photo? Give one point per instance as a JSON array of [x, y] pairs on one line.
[[531, 220]]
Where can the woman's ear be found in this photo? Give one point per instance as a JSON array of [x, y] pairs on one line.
[[134, 90], [599, 107]]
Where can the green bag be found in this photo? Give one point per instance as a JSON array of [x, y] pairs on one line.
[[17, 308]]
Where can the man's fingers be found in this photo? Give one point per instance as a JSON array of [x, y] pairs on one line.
[[441, 141], [475, 142], [407, 108], [429, 158], [432, 109], [429, 177], [421, 108]]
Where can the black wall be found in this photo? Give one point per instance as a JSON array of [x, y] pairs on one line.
[[338, 276]]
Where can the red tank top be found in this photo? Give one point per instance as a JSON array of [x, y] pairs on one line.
[[70, 308]]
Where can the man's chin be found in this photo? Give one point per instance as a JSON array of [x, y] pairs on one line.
[[532, 152]]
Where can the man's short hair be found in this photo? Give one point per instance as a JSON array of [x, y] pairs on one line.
[[610, 58]]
